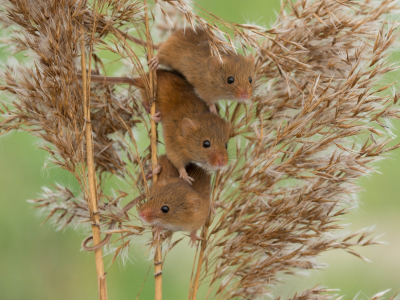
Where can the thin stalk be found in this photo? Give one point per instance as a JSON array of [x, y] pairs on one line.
[[204, 234], [154, 161], [92, 199], [193, 269]]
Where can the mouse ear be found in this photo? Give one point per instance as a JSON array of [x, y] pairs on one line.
[[162, 182], [194, 201], [188, 126], [228, 127], [213, 64], [251, 59]]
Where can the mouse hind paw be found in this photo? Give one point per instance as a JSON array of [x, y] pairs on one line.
[[184, 175], [187, 178]]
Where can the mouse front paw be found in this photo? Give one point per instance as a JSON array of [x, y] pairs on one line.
[[146, 107], [214, 206], [151, 173], [157, 231], [193, 239], [157, 170], [156, 117], [213, 109], [153, 63]]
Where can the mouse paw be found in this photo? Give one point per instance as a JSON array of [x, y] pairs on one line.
[[153, 63], [214, 206], [187, 178], [194, 238], [147, 108], [213, 109], [157, 231], [184, 175], [157, 170], [151, 173], [156, 117]]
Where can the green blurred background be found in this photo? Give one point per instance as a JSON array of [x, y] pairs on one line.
[[40, 263]]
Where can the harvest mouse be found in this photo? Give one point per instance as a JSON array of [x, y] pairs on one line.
[[176, 205], [187, 206], [191, 132], [187, 51]]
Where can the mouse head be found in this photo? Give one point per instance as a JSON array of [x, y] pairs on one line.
[[173, 203], [205, 139], [233, 77]]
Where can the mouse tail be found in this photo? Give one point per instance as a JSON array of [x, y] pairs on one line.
[[137, 40], [137, 82]]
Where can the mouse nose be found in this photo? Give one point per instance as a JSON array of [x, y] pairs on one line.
[[244, 95], [221, 162], [142, 214]]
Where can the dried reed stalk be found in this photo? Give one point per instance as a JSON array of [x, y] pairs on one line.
[[92, 194], [50, 106], [154, 161], [194, 283]]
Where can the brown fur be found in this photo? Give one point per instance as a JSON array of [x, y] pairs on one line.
[[187, 123], [188, 52], [189, 204]]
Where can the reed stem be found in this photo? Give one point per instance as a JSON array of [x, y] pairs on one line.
[[204, 233], [154, 161], [92, 199]]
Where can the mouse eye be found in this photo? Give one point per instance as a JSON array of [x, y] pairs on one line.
[[165, 209], [206, 144], [231, 79], [226, 146], [250, 80]]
